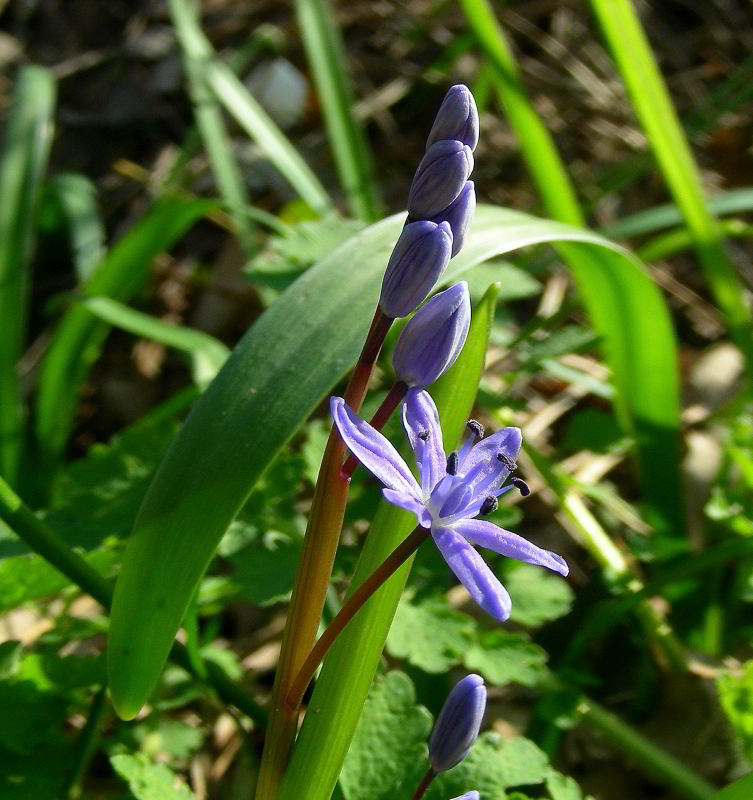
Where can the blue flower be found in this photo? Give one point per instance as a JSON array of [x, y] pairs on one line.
[[453, 492], [458, 723]]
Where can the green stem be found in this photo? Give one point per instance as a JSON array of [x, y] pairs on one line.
[[314, 572], [385, 570], [42, 540], [87, 742], [650, 757]]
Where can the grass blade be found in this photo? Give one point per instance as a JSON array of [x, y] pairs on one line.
[[77, 197], [79, 338], [349, 668], [326, 56], [210, 124], [271, 384], [24, 160], [653, 106], [537, 146], [207, 353]]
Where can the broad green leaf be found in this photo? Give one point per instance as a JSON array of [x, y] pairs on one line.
[[503, 657], [736, 696], [430, 634], [739, 790], [493, 766], [280, 372], [349, 668], [207, 353], [79, 338], [28, 135], [390, 742], [515, 284], [537, 596], [149, 781]]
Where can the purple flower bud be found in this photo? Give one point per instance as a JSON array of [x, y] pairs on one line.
[[457, 118], [458, 723], [433, 339], [419, 258], [440, 178], [474, 795], [459, 215]]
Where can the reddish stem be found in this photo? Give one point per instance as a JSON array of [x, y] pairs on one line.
[[387, 568], [424, 785], [382, 414]]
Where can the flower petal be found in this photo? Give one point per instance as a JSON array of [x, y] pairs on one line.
[[409, 503], [373, 450], [486, 471], [473, 572], [421, 421], [486, 534]]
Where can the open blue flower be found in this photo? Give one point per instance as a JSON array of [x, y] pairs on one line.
[[453, 492]]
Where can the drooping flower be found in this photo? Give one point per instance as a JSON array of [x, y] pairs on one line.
[[454, 491], [434, 337], [458, 723], [419, 258]]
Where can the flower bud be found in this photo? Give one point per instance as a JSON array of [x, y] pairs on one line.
[[440, 178], [419, 258], [459, 214], [457, 118], [474, 795], [458, 723], [433, 339]]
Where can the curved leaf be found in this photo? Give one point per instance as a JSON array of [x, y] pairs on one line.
[[290, 360]]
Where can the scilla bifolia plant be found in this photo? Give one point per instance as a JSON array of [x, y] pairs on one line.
[[454, 490]]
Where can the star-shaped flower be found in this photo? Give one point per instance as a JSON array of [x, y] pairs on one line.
[[454, 491]]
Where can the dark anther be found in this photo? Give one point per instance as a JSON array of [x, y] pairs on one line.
[[423, 435], [452, 464], [476, 428], [490, 504], [522, 486], [507, 461]]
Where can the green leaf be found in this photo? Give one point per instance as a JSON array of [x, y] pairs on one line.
[[537, 596], [739, 790], [280, 372], [28, 135], [430, 634], [736, 696], [515, 284], [348, 670], [207, 353], [493, 766], [563, 787], [389, 743], [503, 657], [149, 781], [79, 338]]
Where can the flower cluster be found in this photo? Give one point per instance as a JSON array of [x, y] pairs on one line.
[[441, 203]]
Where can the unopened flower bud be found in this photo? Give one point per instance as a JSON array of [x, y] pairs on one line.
[[459, 214], [458, 723], [433, 339], [474, 795], [419, 258], [457, 118], [440, 178]]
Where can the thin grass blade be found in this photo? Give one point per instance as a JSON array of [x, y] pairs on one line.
[[24, 161], [326, 56]]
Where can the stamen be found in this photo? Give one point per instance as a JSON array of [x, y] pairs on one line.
[[507, 461], [489, 505], [521, 485], [423, 435], [452, 463], [476, 428]]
